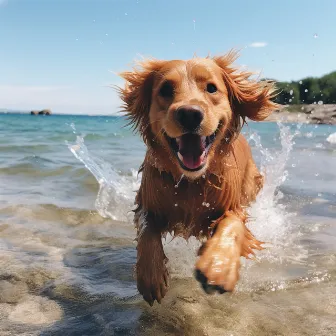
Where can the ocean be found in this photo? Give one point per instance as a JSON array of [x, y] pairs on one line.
[[67, 250]]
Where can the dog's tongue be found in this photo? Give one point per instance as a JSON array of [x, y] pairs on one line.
[[191, 150]]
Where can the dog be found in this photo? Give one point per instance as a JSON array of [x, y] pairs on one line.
[[198, 174]]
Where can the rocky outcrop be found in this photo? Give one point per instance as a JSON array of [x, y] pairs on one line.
[[309, 114], [42, 112]]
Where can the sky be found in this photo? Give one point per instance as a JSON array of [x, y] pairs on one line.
[[64, 54]]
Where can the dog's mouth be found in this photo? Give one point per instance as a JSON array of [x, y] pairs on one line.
[[191, 149]]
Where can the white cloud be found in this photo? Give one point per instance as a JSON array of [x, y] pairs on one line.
[[60, 99], [258, 44]]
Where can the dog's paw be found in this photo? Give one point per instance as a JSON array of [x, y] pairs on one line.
[[217, 268], [152, 282]]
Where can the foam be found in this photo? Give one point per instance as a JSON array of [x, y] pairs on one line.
[[332, 138], [36, 310]]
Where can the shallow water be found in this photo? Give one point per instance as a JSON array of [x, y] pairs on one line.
[[67, 247]]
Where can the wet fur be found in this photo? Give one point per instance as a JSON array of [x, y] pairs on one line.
[[209, 204]]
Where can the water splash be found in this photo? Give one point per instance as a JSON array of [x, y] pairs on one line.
[[116, 193], [270, 222]]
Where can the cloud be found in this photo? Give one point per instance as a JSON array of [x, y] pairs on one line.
[[258, 44], [60, 99]]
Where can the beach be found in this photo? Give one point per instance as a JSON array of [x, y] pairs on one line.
[[324, 114], [67, 249]]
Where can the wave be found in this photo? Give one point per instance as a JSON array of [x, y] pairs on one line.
[[22, 148]]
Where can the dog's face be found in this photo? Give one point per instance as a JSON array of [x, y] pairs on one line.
[[190, 107]]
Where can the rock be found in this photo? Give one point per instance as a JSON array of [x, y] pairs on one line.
[[42, 112], [310, 114], [45, 112]]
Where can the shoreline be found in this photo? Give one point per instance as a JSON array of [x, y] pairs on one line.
[[307, 114]]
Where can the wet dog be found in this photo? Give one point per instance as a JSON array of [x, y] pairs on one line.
[[198, 175]]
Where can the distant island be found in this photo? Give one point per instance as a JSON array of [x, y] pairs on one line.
[[42, 112]]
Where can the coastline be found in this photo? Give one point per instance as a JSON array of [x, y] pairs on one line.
[[307, 114]]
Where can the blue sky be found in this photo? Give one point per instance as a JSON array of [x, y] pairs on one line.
[[62, 54]]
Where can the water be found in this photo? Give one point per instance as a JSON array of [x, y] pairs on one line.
[[67, 247]]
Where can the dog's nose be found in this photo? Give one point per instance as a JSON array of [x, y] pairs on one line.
[[189, 117]]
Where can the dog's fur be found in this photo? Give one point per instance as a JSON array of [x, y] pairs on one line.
[[208, 202]]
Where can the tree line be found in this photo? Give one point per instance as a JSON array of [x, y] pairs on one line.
[[309, 90]]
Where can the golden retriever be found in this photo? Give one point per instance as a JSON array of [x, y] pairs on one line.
[[198, 175]]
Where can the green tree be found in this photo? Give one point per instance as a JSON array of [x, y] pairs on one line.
[[308, 90]]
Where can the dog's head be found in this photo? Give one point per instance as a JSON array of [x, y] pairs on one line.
[[190, 107]]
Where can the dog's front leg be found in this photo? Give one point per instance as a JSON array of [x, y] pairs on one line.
[[151, 271], [218, 265]]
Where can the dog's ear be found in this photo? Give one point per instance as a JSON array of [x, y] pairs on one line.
[[137, 94], [249, 98]]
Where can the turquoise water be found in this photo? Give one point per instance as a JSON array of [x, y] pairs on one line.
[[66, 235]]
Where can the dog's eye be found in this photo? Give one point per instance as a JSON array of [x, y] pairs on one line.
[[167, 90], [211, 88]]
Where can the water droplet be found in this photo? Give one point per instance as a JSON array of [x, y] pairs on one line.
[[291, 92], [300, 82], [177, 184], [203, 176], [176, 204], [293, 165], [306, 90], [317, 174], [125, 13], [319, 194], [315, 35], [320, 102]]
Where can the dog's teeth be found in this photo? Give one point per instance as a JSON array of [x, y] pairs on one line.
[[178, 140], [180, 156], [203, 139], [203, 156]]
